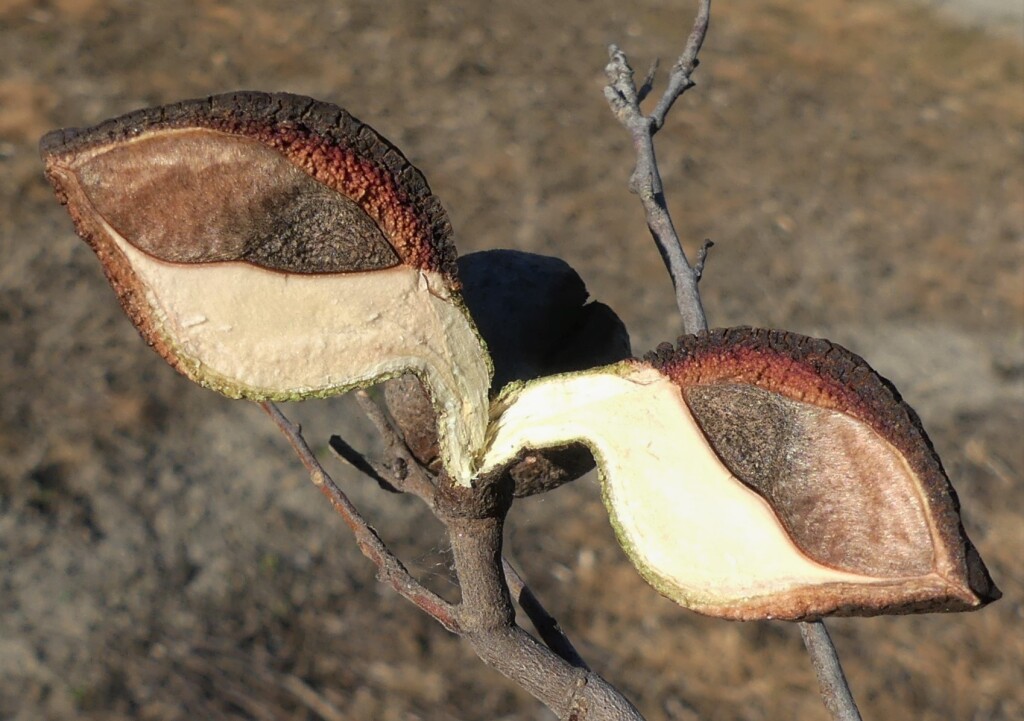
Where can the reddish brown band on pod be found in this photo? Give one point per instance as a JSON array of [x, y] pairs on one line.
[[326, 144]]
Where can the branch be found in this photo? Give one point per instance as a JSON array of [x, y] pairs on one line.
[[474, 518], [487, 619], [645, 181], [679, 80], [389, 569], [834, 690], [424, 484], [425, 487], [625, 99]]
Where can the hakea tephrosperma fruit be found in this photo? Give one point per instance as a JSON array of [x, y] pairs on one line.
[[761, 474], [272, 246]]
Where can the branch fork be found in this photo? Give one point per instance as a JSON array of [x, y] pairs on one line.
[[552, 671], [624, 100]]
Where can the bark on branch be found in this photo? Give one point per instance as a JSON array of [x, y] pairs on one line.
[[572, 692], [645, 181], [835, 692]]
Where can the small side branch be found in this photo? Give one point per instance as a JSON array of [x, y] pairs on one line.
[[702, 256], [835, 691], [390, 569], [679, 80], [409, 475], [383, 476]]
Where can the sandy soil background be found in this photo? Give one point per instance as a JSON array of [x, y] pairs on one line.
[[858, 165]]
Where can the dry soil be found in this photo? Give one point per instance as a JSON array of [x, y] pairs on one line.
[[859, 166]]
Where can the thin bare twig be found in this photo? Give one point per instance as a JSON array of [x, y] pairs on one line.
[[390, 569], [413, 477], [648, 84], [624, 100], [547, 627], [474, 518], [383, 476], [834, 690], [679, 80]]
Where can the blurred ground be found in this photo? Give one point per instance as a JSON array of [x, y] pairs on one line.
[[1005, 17], [858, 165]]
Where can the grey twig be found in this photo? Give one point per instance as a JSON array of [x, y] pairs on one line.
[[389, 568], [624, 100], [648, 84], [679, 80], [475, 521], [834, 689]]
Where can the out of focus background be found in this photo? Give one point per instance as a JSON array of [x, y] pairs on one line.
[[859, 167]]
